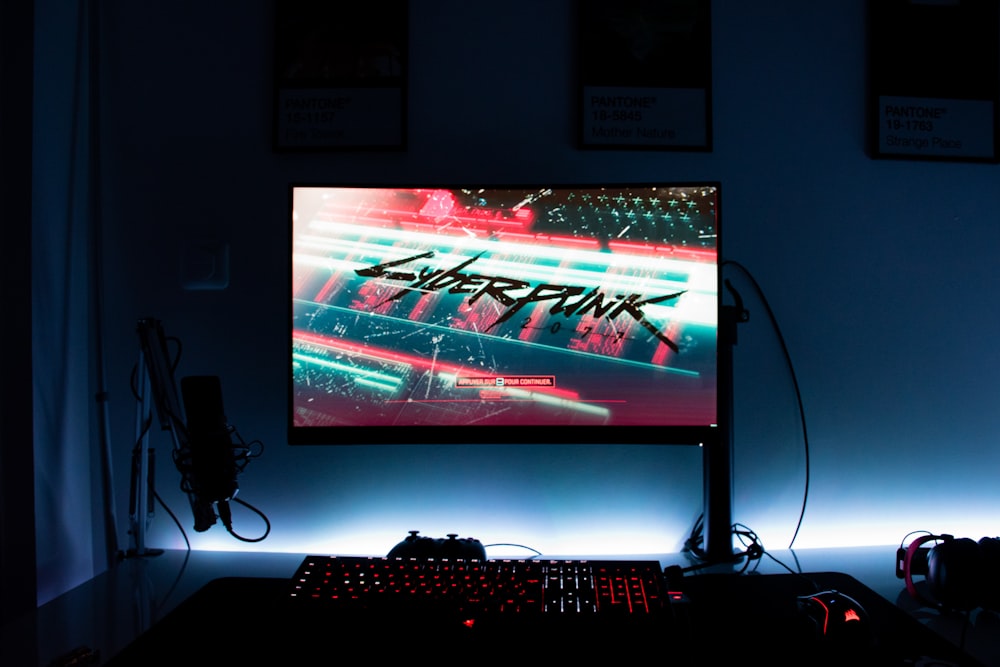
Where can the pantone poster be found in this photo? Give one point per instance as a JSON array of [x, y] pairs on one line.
[[340, 75], [645, 74], [934, 79]]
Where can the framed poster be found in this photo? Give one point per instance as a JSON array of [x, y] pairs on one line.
[[340, 75], [934, 76], [645, 70]]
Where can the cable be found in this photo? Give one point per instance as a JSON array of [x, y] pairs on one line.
[[227, 520], [754, 552], [174, 363], [782, 564], [753, 547], [752, 544], [510, 544], [173, 516], [180, 350], [693, 543], [177, 581], [795, 384], [966, 624], [902, 542]]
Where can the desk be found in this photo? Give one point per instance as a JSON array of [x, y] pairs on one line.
[[109, 612], [114, 608]]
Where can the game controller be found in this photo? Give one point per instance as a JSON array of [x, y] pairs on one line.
[[416, 546]]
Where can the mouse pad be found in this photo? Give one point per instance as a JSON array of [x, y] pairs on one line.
[[746, 617], [737, 617]]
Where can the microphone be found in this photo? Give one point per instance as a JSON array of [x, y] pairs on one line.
[[209, 466]]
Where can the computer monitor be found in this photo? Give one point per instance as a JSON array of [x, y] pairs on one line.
[[516, 314]]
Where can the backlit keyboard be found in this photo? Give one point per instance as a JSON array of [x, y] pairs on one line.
[[491, 588]]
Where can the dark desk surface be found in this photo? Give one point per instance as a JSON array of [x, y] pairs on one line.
[[108, 613], [727, 618]]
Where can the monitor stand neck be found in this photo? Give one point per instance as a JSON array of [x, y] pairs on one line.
[[717, 455]]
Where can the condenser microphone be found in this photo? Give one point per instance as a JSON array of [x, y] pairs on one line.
[[210, 468]]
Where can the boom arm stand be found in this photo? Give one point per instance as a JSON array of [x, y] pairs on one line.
[[156, 386]]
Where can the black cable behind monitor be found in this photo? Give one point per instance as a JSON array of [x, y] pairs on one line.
[[795, 385]]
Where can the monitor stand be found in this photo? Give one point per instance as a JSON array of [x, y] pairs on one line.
[[717, 456]]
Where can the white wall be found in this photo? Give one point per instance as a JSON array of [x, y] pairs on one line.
[[878, 272]]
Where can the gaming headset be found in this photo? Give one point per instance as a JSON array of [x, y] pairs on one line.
[[960, 574]]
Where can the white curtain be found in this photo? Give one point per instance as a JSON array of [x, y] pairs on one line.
[[68, 453]]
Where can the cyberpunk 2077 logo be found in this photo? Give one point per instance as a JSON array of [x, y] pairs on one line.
[[568, 300]]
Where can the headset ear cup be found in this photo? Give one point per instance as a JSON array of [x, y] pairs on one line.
[[955, 572], [990, 549], [915, 562]]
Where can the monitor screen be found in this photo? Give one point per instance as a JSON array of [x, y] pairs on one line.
[[544, 314]]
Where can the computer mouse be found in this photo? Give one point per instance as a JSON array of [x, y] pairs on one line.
[[836, 620]]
